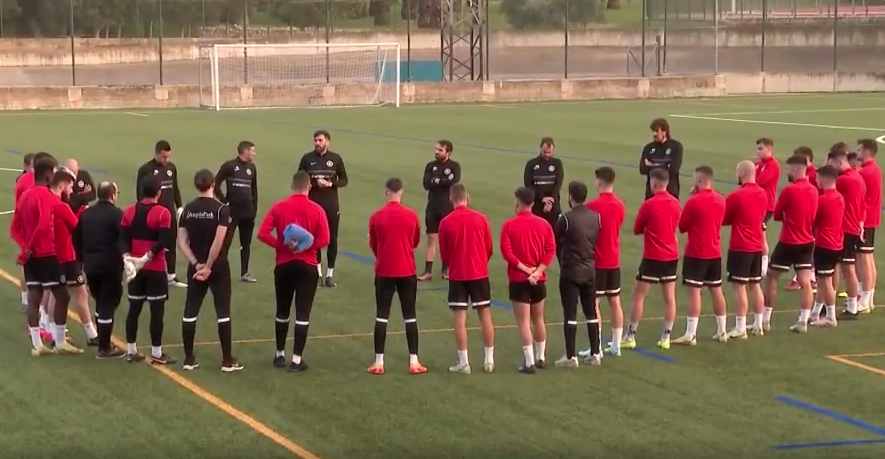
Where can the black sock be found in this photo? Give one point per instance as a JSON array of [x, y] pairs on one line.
[[158, 310], [412, 337], [445, 268], [428, 267], [593, 331], [245, 252], [571, 331], [380, 336], [132, 316], [188, 331], [105, 330], [224, 336], [280, 331], [300, 339]]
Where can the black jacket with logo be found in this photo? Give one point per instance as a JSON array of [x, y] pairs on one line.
[[170, 194], [666, 155], [576, 233], [242, 187], [328, 166]]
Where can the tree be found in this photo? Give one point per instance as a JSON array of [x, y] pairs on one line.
[[380, 11], [613, 5]]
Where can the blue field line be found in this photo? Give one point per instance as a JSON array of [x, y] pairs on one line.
[[828, 444], [90, 169], [831, 414], [653, 355]]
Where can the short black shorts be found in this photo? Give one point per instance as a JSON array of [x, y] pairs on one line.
[[657, 272], [476, 293], [767, 219], [869, 241], [524, 292], [699, 272], [797, 256], [825, 261], [44, 273], [744, 267], [850, 243], [608, 281], [74, 273], [432, 218], [149, 285]]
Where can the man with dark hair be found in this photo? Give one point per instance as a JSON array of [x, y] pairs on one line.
[[162, 168], [663, 152], [27, 164], [202, 238], [544, 175], [295, 276], [465, 244], [853, 159], [32, 229], [811, 174], [828, 241], [241, 176], [327, 175], [528, 246], [702, 261], [866, 263], [439, 176], [26, 179], [145, 234], [768, 173], [853, 189], [657, 221], [27, 170], [96, 241], [394, 234], [576, 232], [796, 208]]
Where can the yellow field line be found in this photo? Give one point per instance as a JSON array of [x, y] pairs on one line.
[[205, 395], [842, 359], [431, 330]]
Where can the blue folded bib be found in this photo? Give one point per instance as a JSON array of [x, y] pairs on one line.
[[301, 236]]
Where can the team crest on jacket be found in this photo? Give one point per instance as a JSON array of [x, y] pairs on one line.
[[537, 167], [248, 171], [156, 172], [81, 184], [667, 152], [329, 163], [169, 172], [447, 171], [551, 168]]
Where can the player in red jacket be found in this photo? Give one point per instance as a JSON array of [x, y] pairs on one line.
[[465, 245], [768, 174], [866, 262]]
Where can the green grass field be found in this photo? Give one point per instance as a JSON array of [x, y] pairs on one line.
[[692, 402]]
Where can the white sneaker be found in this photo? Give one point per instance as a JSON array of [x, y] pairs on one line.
[[826, 322], [462, 368], [593, 360], [567, 362], [799, 327], [174, 282], [721, 337], [737, 334], [488, 367], [586, 352]]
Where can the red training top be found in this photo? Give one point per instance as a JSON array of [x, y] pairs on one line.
[[24, 182], [32, 222], [143, 224], [305, 213], [702, 220], [828, 223], [612, 213], [657, 220], [811, 173], [745, 216], [768, 173], [796, 208], [465, 244], [65, 222], [394, 234], [529, 239], [854, 191], [872, 178]]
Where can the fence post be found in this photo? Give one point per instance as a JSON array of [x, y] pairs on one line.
[[764, 26], [73, 53], [328, 39], [245, 42], [160, 40], [408, 41], [835, 43], [716, 37], [565, 29], [642, 44]]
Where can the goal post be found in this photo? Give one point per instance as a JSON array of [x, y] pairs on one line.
[[299, 75]]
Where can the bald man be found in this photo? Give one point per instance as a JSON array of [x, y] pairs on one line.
[[745, 215], [84, 187]]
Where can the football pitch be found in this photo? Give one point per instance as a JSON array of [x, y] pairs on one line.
[[783, 395]]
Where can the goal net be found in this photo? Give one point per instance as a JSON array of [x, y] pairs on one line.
[[299, 75]]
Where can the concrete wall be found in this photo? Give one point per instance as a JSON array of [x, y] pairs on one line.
[[57, 51], [98, 97]]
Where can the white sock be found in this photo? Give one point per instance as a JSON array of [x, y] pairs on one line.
[[413, 359], [489, 355], [329, 272], [721, 324], [529, 355], [462, 358], [766, 316], [816, 309], [379, 359], [58, 335], [24, 298], [667, 330], [865, 298], [89, 328], [764, 265], [740, 323], [131, 349], [44, 319], [36, 341], [320, 269], [859, 287], [280, 354], [795, 279], [616, 337], [852, 305], [691, 326], [540, 350], [757, 320], [296, 359], [831, 312], [803, 315], [156, 351]]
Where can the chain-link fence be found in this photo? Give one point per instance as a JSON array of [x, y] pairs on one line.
[[126, 42]]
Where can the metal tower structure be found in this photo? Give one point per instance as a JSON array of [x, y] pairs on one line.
[[464, 39]]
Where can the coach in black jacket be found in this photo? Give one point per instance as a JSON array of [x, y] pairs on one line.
[[96, 242], [662, 153]]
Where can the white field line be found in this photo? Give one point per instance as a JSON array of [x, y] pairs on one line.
[[780, 123], [9, 169], [7, 212], [135, 114], [881, 139], [793, 112]]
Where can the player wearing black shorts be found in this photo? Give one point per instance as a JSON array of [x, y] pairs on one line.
[[203, 239], [853, 189], [327, 175], [241, 196], [872, 176], [146, 234], [577, 231], [439, 176], [465, 245], [828, 240]]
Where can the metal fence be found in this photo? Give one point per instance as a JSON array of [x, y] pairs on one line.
[[125, 42]]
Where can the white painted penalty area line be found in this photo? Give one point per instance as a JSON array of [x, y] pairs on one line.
[[779, 123], [7, 212], [792, 112], [135, 114]]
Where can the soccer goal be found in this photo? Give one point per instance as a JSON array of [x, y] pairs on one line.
[[299, 75]]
